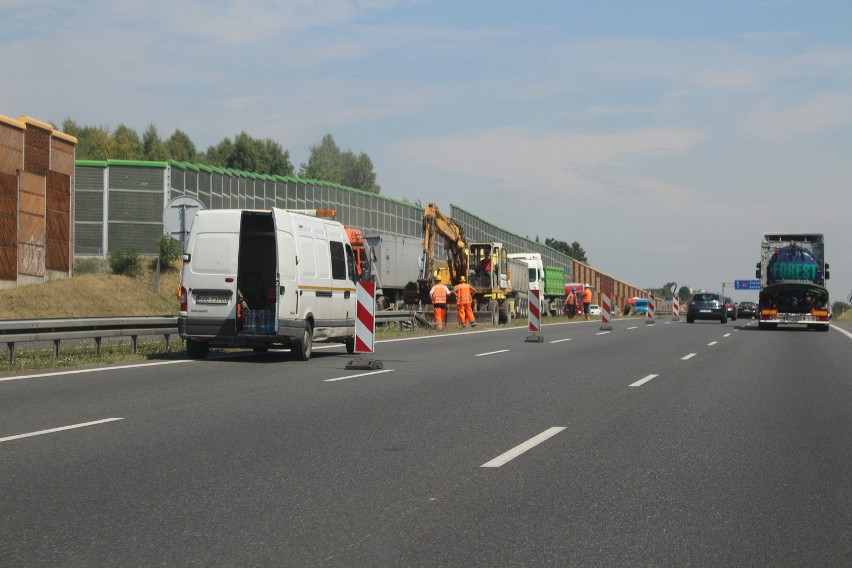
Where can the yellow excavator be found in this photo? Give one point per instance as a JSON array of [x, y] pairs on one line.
[[485, 265]]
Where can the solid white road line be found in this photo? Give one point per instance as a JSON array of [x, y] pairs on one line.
[[80, 371], [690, 356], [641, 382], [712, 343], [521, 448], [841, 330], [491, 353], [40, 432], [359, 375]]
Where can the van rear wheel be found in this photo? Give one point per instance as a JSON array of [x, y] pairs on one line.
[[302, 348], [197, 349]]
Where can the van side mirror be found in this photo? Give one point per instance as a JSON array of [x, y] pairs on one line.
[[186, 257], [826, 270]]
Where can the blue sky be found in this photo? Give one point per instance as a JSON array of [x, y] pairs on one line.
[[664, 137]]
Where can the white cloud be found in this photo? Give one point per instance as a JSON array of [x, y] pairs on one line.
[[821, 113], [554, 160]]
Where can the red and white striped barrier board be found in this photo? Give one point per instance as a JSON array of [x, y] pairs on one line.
[[606, 311], [650, 311], [675, 308], [365, 319], [534, 315]]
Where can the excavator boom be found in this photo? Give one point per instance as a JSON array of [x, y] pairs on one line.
[[435, 223]]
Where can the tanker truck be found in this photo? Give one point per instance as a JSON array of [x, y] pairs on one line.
[[792, 272]]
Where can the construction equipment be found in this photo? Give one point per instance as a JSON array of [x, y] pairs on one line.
[[486, 266], [435, 223]]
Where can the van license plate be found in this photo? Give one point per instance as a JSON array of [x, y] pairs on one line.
[[209, 299]]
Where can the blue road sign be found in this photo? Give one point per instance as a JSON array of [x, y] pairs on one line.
[[746, 284]]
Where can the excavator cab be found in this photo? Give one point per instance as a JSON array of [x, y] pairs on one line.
[[488, 264]]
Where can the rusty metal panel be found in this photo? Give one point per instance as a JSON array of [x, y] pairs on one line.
[[31, 224], [8, 226], [11, 148], [31, 259], [62, 155], [36, 148], [58, 221]]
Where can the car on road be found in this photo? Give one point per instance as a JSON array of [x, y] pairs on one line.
[[706, 305], [731, 308], [594, 310], [747, 310]]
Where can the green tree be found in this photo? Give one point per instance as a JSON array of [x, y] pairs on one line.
[[574, 250], [170, 250], [358, 172], [181, 148], [220, 154], [251, 154], [328, 163], [93, 142], [153, 148], [276, 160], [126, 144]]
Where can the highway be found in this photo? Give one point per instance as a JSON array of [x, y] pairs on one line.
[[671, 444]]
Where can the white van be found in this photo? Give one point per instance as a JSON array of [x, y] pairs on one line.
[[265, 278]]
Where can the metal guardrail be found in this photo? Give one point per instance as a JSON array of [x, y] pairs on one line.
[[404, 318], [58, 330]]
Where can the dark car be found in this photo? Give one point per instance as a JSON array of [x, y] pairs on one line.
[[747, 310], [706, 305]]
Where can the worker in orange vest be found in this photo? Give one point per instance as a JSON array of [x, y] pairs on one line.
[[587, 301], [438, 294], [571, 303], [464, 301]]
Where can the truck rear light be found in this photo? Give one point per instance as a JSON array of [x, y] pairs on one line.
[[769, 312], [821, 315]]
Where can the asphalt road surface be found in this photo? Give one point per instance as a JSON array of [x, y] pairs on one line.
[[671, 444]]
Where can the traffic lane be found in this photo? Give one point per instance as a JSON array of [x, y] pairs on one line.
[[435, 425], [232, 451], [70, 399], [46, 400], [717, 473]]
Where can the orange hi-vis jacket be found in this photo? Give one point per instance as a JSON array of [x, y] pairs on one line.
[[464, 293], [587, 296], [439, 294]]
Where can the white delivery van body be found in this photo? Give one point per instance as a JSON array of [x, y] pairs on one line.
[[266, 278]]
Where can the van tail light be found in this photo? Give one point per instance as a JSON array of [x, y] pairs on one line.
[[183, 298]]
